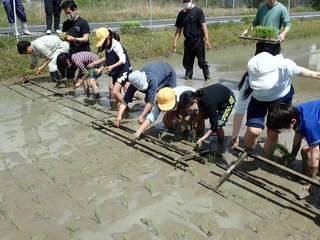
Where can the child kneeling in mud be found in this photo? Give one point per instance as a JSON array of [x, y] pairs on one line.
[[81, 60], [304, 119], [214, 102]]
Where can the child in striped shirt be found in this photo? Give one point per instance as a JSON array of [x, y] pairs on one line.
[[81, 60]]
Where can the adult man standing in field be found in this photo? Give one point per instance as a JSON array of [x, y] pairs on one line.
[[77, 30], [271, 14], [195, 31]]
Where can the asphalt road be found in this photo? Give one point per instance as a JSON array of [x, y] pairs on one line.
[[164, 23]]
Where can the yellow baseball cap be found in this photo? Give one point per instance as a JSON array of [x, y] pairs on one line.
[[101, 34], [166, 99]]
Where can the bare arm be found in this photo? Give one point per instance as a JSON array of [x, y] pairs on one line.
[[296, 144], [236, 125], [176, 37], [46, 63], [282, 36], [206, 35], [122, 108], [145, 111], [83, 39], [143, 126], [304, 72]]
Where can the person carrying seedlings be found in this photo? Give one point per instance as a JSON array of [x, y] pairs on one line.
[[191, 19], [117, 61], [77, 30], [81, 61], [214, 102], [269, 81], [304, 119], [47, 47], [167, 100], [149, 80], [271, 14]]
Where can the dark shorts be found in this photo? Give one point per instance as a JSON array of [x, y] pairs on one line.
[[226, 109], [257, 110], [94, 76], [122, 78]]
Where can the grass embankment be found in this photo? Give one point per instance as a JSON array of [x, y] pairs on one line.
[[157, 43], [129, 10]]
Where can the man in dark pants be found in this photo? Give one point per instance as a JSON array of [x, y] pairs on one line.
[[52, 7], [195, 31], [78, 31]]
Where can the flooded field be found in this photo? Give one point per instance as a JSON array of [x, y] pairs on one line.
[[66, 173]]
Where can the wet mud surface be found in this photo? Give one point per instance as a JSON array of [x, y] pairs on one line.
[[66, 173]]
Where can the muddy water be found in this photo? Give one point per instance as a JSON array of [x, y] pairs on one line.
[[228, 65], [61, 179]]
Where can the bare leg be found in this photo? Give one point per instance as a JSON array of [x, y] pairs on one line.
[[86, 88], [251, 137], [116, 91], [272, 138], [220, 134], [94, 85]]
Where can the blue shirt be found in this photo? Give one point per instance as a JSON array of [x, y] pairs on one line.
[[309, 122], [159, 75]]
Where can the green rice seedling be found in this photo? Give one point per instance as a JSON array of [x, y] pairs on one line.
[[28, 186], [175, 177], [29, 71], [265, 32], [125, 237], [254, 226], [182, 213], [192, 168], [152, 226], [66, 184], [310, 229], [123, 173], [36, 237], [219, 210], [97, 214], [211, 159], [41, 212], [72, 228], [277, 212], [280, 154], [6, 163], [14, 221], [125, 200], [80, 169], [149, 187], [207, 226], [182, 234], [91, 197], [63, 36]]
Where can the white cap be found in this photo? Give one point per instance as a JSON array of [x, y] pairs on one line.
[[263, 71], [139, 80]]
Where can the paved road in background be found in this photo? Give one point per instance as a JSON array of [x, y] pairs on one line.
[[164, 23]]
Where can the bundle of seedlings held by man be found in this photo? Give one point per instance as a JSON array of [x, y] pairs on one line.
[[280, 154], [264, 32]]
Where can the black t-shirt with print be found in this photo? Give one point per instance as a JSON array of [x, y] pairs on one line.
[[77, 29], [191, 22], [213, 101]]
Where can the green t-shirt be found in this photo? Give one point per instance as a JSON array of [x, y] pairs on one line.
[[276, 17]]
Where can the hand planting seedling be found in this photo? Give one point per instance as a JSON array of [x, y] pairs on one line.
[[280, 154]]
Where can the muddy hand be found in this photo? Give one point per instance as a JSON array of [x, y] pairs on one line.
[[199, 145], [234, 143], [24, 79], [116, 122]]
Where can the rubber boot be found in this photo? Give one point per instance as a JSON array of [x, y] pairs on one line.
[[206, 73], [189, 73], [15, 32], [55, 77], [25, 29]]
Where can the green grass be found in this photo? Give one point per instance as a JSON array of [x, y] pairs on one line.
[[155, 44]]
